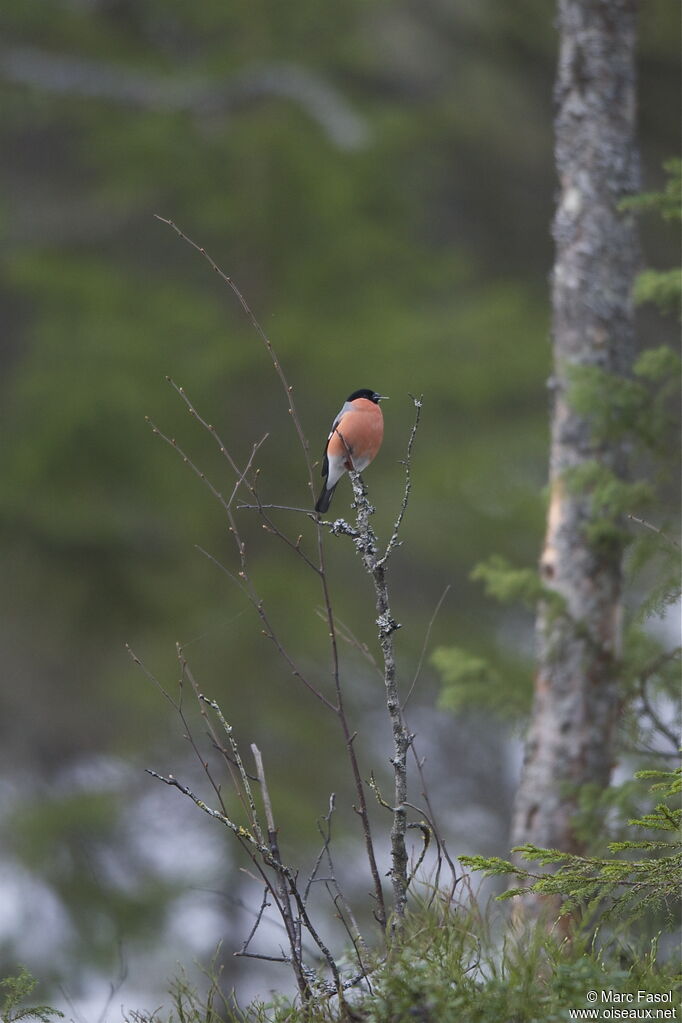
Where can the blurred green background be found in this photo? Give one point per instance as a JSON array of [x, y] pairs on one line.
[[378, 179]]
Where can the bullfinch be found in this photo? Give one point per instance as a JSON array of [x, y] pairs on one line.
[[354, 439]]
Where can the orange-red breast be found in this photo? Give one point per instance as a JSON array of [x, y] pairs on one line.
[[354, 439]]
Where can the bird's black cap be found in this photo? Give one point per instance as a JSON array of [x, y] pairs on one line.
[[365, 392]]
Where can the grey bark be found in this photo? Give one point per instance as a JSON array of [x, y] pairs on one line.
[[570, 740], [375, 565]]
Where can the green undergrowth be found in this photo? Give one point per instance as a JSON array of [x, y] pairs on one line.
[[452, 964], [455, 965], [15, 992], [640, 877]]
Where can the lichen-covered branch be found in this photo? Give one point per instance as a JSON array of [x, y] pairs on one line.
[[375, 562], [375, 565], [338, 708]]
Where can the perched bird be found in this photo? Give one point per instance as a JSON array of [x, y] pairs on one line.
[[355, 438]]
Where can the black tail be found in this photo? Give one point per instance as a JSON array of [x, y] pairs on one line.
[[324, 500]]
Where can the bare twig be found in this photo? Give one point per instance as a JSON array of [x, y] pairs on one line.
[[243, 579], [293, 933], [256, 924], [655, 529], [265, 792], [431, 818], [213, 735], [320, 569], [343, 907], [348, 636], [242, 477], [245, 784], [252, 841], [277, 507], [394, 542], [237, 829], [152, 678], [426, 833], [283, 887], [425, 644], [288, 390], [269, 632], [643, 694], [261, 955], [188, 461], [375, 565]]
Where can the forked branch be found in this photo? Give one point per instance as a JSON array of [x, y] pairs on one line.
[[375, 564]]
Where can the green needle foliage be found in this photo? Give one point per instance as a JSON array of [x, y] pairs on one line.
[[451, 967], [630, 887], [16, 990], [661, 287], [643, 409]]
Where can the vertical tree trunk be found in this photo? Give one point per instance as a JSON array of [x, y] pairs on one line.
[[570, 741]]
